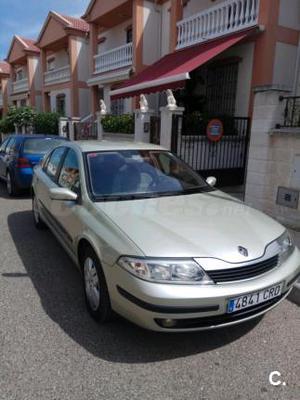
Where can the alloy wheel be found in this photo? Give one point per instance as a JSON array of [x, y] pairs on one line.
[[92, 284]]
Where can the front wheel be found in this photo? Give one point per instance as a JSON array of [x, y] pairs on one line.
[[95, 287]]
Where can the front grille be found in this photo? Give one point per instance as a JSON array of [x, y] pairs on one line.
[[243, 272]]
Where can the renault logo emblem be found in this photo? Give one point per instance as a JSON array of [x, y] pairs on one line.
[[243, 251]]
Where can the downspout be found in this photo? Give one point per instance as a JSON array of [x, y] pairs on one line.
[[297, 72]]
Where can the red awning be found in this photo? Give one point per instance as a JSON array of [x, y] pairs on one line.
[[171, 71]]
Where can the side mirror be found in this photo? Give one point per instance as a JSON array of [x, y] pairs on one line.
[[211, 180], [62, 194]]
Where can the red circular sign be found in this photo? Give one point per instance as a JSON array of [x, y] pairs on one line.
[[215, 130]]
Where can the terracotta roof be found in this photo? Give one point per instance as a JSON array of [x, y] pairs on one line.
[[4, 67], [77, 23], [30, 44]]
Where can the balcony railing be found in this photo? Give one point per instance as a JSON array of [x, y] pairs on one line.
[[57, 75], [221, 19], [113, 59], [291, 112], [20, 85]]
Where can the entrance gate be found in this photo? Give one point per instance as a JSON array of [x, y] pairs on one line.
[[155, 129], [226, 159]]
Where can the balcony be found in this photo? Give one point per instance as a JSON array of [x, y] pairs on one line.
[[114, 59], [58, 75], [20, 86], [222, 19]]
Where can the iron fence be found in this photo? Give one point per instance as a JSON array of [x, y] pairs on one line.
[[291, 112]]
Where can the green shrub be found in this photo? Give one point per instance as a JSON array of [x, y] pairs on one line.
[[46, 123], [6, 126], [118, 123], [22, 116]]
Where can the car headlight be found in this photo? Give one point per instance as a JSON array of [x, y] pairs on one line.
[[165, 271], [286, 246]]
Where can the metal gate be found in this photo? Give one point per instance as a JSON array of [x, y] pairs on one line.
[[85, 130], [155, 129], [225, 159]]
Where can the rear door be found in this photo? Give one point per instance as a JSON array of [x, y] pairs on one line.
[[8, 156], [3, 157]]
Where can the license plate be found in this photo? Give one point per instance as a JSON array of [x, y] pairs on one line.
[[251, 299]]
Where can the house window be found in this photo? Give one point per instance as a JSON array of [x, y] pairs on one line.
[[61, 104], [19, 74], [117, 107], [222, 87], [23, 103], [51, 64], [129, 35]]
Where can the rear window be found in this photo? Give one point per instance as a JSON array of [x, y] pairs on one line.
[[40, 146]]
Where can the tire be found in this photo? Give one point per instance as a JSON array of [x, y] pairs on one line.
[[38, 222], [11, 187], [95, 287]]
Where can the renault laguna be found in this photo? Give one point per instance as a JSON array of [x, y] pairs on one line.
[[158, 244]]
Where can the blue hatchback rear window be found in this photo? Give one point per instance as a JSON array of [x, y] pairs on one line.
[[40, 146]]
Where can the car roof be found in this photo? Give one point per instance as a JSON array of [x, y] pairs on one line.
[[87, 146], [36, 135]]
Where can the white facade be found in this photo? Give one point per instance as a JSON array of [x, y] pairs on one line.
[[289, 14], [195, 6], [285, 64], [114, 37], [53, 97]]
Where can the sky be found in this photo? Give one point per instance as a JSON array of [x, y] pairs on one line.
[[26, 17]]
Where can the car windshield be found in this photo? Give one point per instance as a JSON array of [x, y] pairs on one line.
[[134, 174], [40, 145]]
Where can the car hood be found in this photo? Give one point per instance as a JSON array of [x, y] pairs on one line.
[[209, 224]]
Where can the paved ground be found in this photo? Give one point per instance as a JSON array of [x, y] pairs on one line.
[[51, 349]]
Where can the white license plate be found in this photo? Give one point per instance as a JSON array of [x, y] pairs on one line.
[[251, 299]]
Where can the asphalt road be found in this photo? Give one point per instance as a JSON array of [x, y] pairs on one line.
[[51, 349]]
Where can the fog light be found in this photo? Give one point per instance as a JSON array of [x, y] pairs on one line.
[[168, 323]]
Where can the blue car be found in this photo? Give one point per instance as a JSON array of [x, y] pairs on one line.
[[18, 156]]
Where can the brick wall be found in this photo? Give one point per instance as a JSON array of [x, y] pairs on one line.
[[271, 158]]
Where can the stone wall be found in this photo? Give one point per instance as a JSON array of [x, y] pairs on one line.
[[272, 156]]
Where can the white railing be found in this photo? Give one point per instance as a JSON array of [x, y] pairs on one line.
[[20, 85], [221, 19], [113, 59], [1, 100], [58, 75]]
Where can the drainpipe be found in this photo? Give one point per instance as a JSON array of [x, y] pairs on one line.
[[297, 72]]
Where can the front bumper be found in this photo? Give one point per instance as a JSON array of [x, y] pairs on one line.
[[194, 307]]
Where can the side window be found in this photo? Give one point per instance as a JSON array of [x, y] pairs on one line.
[[54, 162], [3, 145], [11, 146], [69, 175]]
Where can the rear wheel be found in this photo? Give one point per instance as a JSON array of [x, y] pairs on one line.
[[38, 222], [95, 287], [11, 186]]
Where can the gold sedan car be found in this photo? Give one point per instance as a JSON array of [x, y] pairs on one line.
[[157, 243]]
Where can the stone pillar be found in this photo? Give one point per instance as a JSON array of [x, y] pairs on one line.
[[72, 122], [142, 125], [166, 124], [100, 131], [63, 126], [266, 160]]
